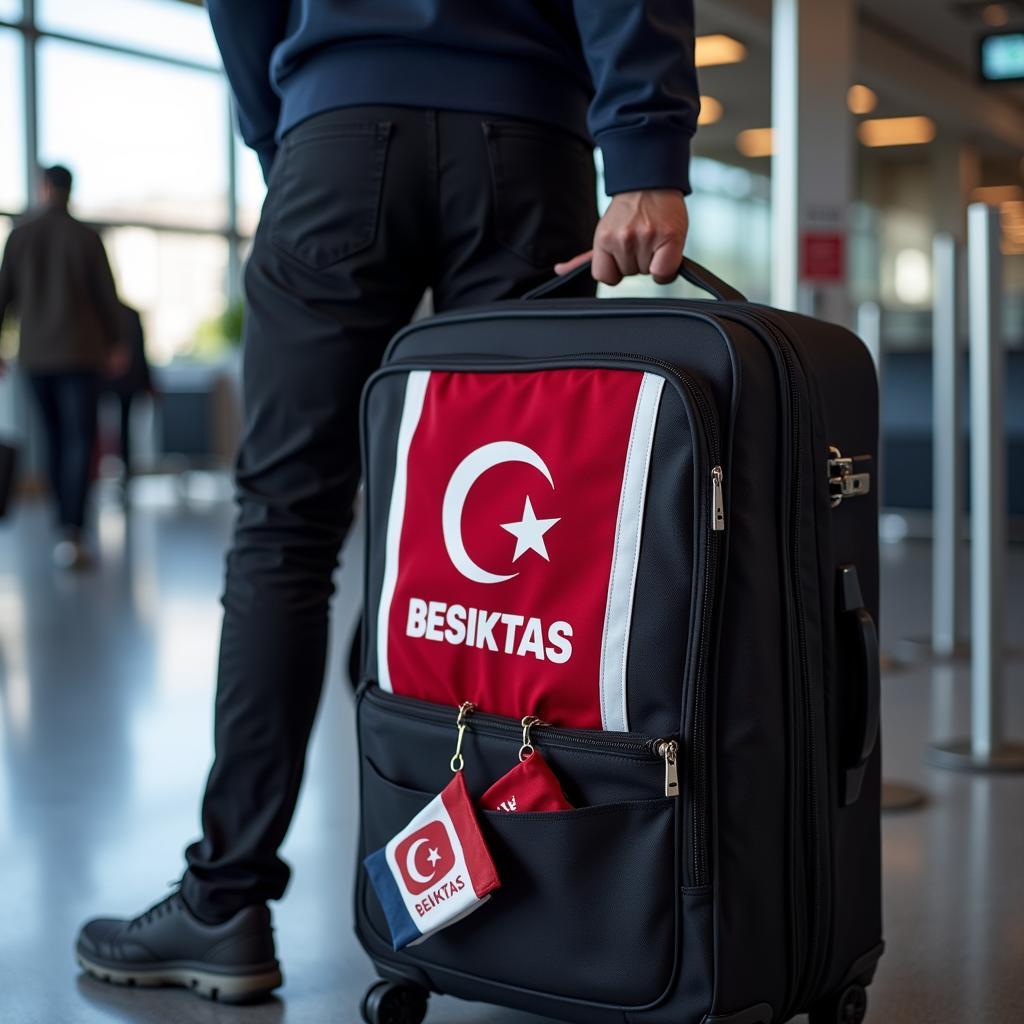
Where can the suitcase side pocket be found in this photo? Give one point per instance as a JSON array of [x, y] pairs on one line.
[[589, 908]]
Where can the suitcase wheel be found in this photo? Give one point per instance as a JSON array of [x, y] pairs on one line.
[[389, 1002], [847, 1007]]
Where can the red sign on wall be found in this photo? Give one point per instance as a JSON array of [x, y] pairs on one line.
[[823, 257]]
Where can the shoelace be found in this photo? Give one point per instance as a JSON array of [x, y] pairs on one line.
[[166, 906]]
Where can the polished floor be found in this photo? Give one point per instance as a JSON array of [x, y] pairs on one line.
[[105, 696]]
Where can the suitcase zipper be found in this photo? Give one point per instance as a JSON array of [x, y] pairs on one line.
[[621, 744], [714, 505], [714, 527], [814, 947]]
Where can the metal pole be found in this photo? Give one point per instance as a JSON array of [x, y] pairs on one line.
[[986, 750], [896, 796], [988, 479], [869, 328], [785, 154], [947, 452], [31, 105]]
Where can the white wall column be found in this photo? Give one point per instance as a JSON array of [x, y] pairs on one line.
[[812, 165]]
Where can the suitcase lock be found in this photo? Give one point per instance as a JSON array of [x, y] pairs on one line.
[[844, 480]]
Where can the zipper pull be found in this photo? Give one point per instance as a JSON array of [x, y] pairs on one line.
[[717, 501], [528, 724], [458, 762], [668, 751]]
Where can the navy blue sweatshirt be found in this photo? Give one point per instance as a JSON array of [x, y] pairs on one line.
[[618, 72]]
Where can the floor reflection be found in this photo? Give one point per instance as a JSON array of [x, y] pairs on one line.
[[105, 698]]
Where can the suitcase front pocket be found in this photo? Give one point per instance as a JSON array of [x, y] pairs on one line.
[[589, 904]]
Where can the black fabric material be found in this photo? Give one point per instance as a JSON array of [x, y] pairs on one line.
[[619, 70], [622, 951], [795, 877], [8, 468], [135, 380], [752, 820], [846, 416], [136, 376], [67, 403], [56, 277], [686, 334], [366, 208]]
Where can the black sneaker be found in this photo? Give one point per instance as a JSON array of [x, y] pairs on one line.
[[233, 962]]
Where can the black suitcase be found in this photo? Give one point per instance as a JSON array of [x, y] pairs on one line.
[[8, 468], [740, 882]]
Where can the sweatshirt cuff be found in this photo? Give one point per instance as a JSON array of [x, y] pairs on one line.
[[642, 158]]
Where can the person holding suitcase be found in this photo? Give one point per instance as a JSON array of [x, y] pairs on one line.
[[413, 145]]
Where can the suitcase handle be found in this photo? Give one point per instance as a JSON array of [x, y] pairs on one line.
[[697, 275], [852, 604]]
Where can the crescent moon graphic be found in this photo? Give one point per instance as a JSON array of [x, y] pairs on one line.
[[472, 467], [410, 863]]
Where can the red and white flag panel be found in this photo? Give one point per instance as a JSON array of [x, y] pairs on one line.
[[513, 538]]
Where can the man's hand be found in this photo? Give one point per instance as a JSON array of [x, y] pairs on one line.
[[641, 233]]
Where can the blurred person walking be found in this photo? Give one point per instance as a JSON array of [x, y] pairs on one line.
[[55, 275], [412, 145]]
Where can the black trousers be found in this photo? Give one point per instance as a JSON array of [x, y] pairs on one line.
[[67, 402], [366, 208]]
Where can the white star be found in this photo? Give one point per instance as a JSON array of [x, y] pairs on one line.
[[433, 856], [529, 533]]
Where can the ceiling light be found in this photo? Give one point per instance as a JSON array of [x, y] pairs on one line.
[[995, 15], [861, 100], [755, 142], [711, 111], [996, 195], [719, 49], [897, 131]]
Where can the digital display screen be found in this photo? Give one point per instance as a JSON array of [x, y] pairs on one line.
[[1002, 57]]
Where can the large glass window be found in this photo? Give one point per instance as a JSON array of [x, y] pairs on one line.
[[10, 10], [147, 141], [175, 280], [161, 26], [12, 124], [251, 189]]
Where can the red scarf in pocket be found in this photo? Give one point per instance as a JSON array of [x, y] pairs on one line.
[[530, 786]]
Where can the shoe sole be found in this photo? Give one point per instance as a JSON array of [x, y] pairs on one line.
[[212, 985]]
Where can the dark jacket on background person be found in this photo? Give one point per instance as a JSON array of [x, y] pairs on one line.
[[617, 72], [55, 275]]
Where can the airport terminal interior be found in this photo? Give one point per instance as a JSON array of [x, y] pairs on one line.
[[107, 674]]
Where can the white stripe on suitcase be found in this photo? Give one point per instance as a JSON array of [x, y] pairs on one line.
[[626, 556], [415, 393]]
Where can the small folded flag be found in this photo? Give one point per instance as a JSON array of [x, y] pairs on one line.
[[436, 871], [530, 786]]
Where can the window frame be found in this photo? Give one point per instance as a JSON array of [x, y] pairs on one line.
[[31, 34]]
